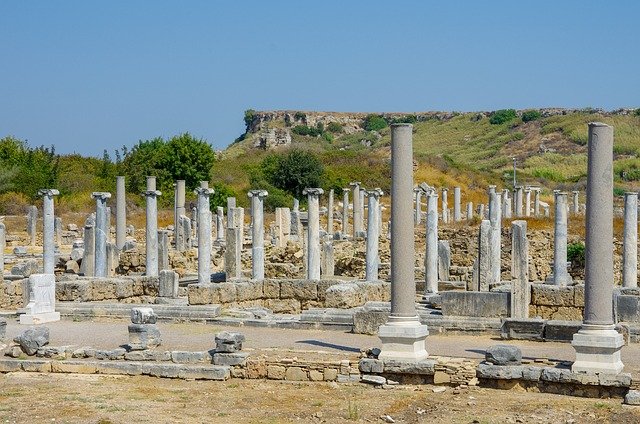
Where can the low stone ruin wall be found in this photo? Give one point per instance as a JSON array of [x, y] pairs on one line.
[[557, 303], [289, 296]]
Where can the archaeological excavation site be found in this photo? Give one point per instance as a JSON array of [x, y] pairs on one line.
[[419, 287]]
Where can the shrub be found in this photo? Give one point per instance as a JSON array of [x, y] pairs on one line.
[[408, 119], [300, 116], [334, 127], [618, 191], [293, 172], [530, 115], [221, 192], [518, 135], [575, 254], [12, 203], [305, 130], [637, 112], [374, 123], [249, 114], [501, 116]]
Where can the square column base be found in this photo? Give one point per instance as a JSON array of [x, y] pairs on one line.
[[35, 319], [403, 340], [597, 350]]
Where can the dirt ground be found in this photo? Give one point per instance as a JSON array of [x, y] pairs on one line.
[[59, 398]]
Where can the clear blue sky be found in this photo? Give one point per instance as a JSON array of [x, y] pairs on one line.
[[88, 75]]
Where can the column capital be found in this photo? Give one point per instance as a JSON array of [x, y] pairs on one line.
[[313, 191], [444, 189], [102, 195], [257, 193], [527, 189], [346, 190], [376, 192], [151, 193], [202, 191], [355, 184], [49, 192], [426, 188]]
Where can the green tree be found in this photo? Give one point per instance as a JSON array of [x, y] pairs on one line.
[[531, 115], [249, 115], [501, 116], [293, 172], [374, 123]]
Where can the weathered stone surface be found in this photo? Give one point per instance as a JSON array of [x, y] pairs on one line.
[[186, 357], [249, 290], [33, 339], [3, 328], [556, 330], [200, 294], [299, 289], [632, 397], [551, 295], [498, 372], [147, 355], [426, 367], [275, 372], [504, 355], [295, 374], [229, 341], [9, 365], [371, 365], [230, 359], [476, 304], [143, 316], [71, 267], [35, 365], [121, 368], [344, 296], [373, 379], [26, 268], [368, 322], [144, 336], [522, 329], [110, 354], [74, 367]]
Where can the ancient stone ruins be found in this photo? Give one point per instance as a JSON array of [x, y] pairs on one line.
[[339, 265]]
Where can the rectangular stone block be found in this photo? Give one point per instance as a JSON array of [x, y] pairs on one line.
[[299, 289], [36, 365], [10, 365], [561, 331], [200, 294], [168, 284], [368, 322], [424, 367], [218, 373], [628, 308], [74, 367], [522, 329], [271, 289], [119, 368], [476, 304], [230, 359], [249, 290], [550, 295]]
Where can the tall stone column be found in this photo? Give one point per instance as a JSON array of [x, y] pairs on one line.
[[313, 232], [179, 202], [469, 210], [598, 344], [362, 214], [527, 203], [495, 242], [163, 250], [630, 241], [357, 209], [101, 229], [445, 206], [431, 253], [402, 337], [560, 275], [517, 198], [373, 234], [457, 215], [520, 290], [3, 245], [32, 224], [536, 202], [121, 213], [576, 204], [48, 222], [151, 243], [219, 224], [257, 235], [87, 267], [345, 211], [330, 214], [506, 204], [418, 208], [204, 234]]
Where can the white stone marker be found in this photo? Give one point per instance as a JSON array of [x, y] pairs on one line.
[[560, 276], [373, 234], [630, 241], [527, 202], [457, 215], [598, 344], [42, 300], [313, 232], [469, 210], [204, 234], [520, 290], [403, 336], [48, 223], [257, 235], [151, 243], [495, 242], [431, 253], [100, 264], [121, 213]]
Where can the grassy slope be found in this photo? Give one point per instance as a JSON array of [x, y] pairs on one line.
[[463, 151]]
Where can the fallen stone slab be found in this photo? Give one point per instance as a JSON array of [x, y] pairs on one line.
[[504, 355], [522, 329], [33, 339]]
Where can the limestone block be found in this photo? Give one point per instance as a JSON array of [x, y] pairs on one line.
[[226, 292], [26, 268], [73, 367], [230, 359], [229, 341], [522, 329], [200, 294], [475, 304], [632, 398], [424, 367], [33, 339], [271, 289], [187, 357], [144, 336], [550, 295], [558, 330], [3, 328], [71, 267], [143, 315], [330, 374], [118, 368], [147, 355], [249, 290], [371, 365], [299, 289], [168, 284], [283, 306], [315, 375], [503, 355], [344, 296], [295, 374], [275, 372], [374, 379]]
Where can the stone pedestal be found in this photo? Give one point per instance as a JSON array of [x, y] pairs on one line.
[[42, 300], [402, 337], [597, 344]]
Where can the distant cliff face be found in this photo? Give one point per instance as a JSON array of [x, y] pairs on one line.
[[269, 129]]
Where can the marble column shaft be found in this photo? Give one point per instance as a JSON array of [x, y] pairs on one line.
[[313, 232], [630, 241], [431, 253], [151, 233], [495, 243], [204, 234], [48, 223], [520, 290], [345, 211], [373, 234], [101, 229], [357, 209], [257, 235], [457, 215], [561, 276]]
